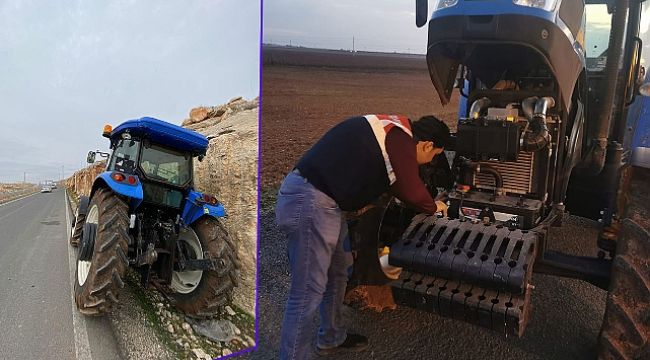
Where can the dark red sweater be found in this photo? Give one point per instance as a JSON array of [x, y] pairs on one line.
[[408, 186]]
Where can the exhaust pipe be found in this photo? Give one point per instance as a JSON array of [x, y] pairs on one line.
[[421, 12], [594, 161], [540, 137]]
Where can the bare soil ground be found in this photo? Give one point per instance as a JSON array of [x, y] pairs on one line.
[[300, 103]]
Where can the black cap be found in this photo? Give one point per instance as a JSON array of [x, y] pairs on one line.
[[429, 128]]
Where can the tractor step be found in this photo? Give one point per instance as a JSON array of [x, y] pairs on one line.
[[503, 312], [486, 255]]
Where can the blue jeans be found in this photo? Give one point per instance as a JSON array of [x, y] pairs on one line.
[[317, 230]]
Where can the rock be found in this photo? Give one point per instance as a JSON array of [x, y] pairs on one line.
[[179, 343], [229, 172], [199, 114], [237, 331], [200, 354], [230, 311], [170, 328], [215, 329], [226, 352], [187, 327], [249, 340]]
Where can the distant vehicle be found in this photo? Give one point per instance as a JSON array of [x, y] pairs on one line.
[[46, 188], [53, 186]]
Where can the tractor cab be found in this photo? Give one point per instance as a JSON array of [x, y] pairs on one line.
[[143, 148], [153, 160]]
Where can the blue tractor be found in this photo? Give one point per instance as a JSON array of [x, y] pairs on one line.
[[143, 212], [549, 122]]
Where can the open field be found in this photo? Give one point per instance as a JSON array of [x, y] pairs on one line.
[[300, 103]]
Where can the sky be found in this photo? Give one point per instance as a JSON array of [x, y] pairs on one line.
[[376, 25], [69, 67]]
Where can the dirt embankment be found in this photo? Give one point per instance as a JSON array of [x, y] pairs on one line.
[[300, 103], [81, 182], [229, 172]]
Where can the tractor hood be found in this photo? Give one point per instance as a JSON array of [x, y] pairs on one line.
[[164, 133], [493, 45]]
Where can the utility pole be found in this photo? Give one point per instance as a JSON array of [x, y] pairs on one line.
[[24, 177], [353, 44]]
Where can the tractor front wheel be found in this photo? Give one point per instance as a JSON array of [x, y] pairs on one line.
[[101, 258], [77, 227], [200, 293]]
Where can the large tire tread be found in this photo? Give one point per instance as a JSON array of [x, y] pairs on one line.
[[626, 328], [109, 262], [79, 222], [216, 287]]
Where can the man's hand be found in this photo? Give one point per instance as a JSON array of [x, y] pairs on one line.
[[442, 207]]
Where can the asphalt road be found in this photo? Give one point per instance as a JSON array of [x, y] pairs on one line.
[[38, 318], [566, 314]]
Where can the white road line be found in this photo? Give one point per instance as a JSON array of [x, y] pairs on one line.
[[20, 198], [81, 344]]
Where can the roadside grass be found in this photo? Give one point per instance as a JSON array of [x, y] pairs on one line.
[[148, 308], [268, 197]]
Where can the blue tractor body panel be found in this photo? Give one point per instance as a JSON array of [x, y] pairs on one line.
[[494, 7], [195, 208], [638, 141], [464, 33], [134, 192], [164, 133]]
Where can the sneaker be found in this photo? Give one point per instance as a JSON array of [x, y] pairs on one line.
[[353, 343]]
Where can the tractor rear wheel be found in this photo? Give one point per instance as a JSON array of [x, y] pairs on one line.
[[626, 327], [101, 258], [202, 293]]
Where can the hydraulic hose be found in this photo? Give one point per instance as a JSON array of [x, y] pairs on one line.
[[539, 137], [476, 167]]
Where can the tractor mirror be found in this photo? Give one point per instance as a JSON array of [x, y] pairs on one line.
[[91, 157], [421, 12], [644, 89]]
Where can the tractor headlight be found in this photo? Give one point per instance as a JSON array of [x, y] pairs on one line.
[[547, 5], [443, 4]]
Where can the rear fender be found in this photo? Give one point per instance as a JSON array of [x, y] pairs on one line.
[[195, 208], [133, 192]]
